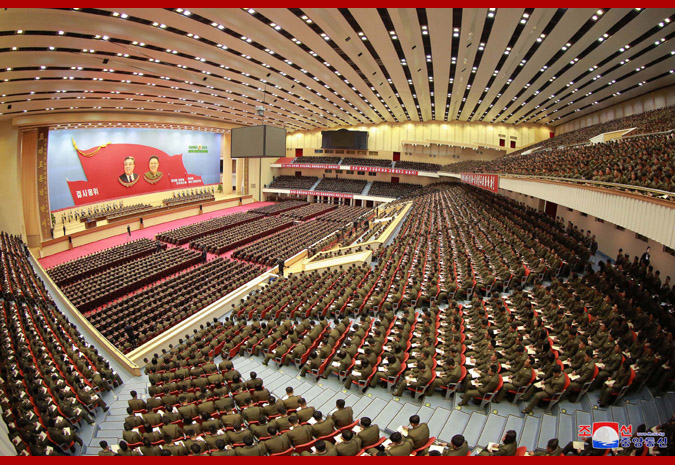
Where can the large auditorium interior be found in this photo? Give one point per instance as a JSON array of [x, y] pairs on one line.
[[337, 231]]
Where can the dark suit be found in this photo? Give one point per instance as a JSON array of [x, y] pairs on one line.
[[123, 177]]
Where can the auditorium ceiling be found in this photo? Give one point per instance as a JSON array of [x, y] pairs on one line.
[[323, 68]]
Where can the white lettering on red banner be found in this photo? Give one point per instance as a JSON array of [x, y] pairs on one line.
[[312, 166], [323, 194], [484, 181], [370, 169]]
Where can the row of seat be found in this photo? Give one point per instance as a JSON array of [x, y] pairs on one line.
[[231, 238], [96, 262], [51, 378], [93, 291], [160, 306], [190, 232]]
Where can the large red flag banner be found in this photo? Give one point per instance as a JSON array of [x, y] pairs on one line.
[[120, 170]]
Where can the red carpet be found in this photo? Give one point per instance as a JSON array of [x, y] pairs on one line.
[[149, 232]]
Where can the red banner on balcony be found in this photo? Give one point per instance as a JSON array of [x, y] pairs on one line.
[[322, 194], [311, 166], [488, 182], [370, 169]]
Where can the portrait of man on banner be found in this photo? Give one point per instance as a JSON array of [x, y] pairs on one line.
[[154, 175], [129, 178]]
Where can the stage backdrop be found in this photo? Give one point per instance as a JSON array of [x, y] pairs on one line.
[[90, 165]]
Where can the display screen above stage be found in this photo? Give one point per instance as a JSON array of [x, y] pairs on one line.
[[258, 141], [344, 139], [95, 165]]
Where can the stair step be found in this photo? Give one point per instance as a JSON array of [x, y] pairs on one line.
[[437, 420], [425, 414], [635, 414], [321, 399], [547, 430], [474, 428], [528, 437], [312, 393], [454, 425], [670, 402], [400, 418], [514, 423], [389, 412], [602, 415], [373, 409], [566, 431], [493, 430], [661, 410], [360, 406], [581, 418], [619, 415]]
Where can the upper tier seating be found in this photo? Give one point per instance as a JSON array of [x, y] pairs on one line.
[[293, 182], [351, 161], [418, 166], [352, 186], [316, 160], [646, 161]]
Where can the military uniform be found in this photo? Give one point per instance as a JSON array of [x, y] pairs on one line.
[[349, 448], [552, 387], [277, 444], [488, 384], [323, 428], [520, 379], [391, 369], [342, 417], [419, 435]]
